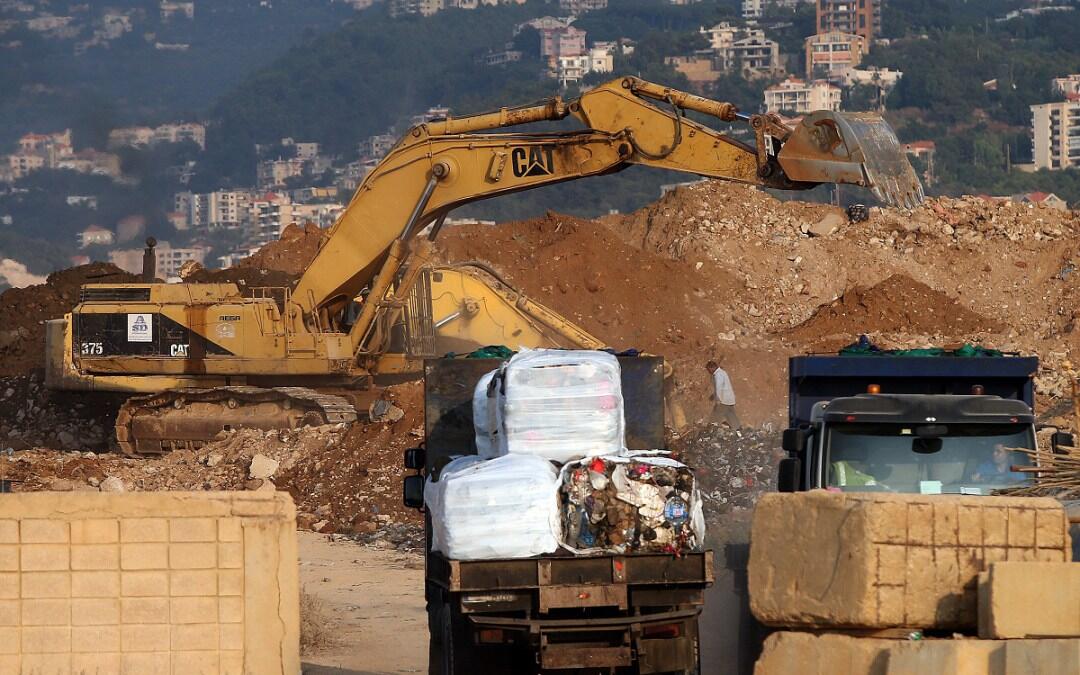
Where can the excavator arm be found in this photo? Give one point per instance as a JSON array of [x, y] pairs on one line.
[[443, 164]]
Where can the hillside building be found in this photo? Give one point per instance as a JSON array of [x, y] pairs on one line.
[[795, 95], [1055, 135], [861, 17], [832, 55], [1068, 85]]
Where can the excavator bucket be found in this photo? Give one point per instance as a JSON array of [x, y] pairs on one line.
[[854, 148]]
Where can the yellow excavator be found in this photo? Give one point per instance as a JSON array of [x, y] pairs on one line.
[[203, 358]]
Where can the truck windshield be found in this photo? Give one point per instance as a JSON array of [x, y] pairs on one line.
[[957, 459]]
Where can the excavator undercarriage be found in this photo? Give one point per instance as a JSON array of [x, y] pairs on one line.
[[154, 424]]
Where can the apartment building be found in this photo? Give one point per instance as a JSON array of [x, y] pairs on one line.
[[582, 6], [1068, 85], [861, 17], [212, 210], [165, 133], [273, 173], [746, 50], [169, 259], [800, 97], [1055, 135], [755, 9], [833, 55], [376, 147]]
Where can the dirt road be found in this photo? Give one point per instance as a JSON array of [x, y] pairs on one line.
[[373, 602]]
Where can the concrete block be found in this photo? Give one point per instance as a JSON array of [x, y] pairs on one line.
[[1029, 599], [1042, 657], [148, 584], [872, 560], [786, 653]]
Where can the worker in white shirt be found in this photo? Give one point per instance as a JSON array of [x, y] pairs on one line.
[[723, 396]]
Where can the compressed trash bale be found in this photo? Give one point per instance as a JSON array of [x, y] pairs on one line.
[[561, 404], [485, 419], [506, 507], [872, 560], [644, 502]]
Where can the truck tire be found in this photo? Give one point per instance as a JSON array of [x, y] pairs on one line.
[[450, 653]]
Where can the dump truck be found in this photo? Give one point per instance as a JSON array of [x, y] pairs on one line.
[[629, 613], [945, 424], [198, 359]]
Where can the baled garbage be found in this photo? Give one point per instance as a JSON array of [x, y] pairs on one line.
[[506, 507], [561, 405]]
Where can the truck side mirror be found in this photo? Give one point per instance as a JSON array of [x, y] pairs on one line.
[[415, 458], [413, 492], [789, 474], [1059, 439], [795, 439]]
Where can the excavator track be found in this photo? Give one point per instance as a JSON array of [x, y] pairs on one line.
[[155, 424]]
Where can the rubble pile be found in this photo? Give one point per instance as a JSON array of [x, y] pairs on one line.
[[733, 468], [23, 312], [33, 416], [291, 253], [971, 220]]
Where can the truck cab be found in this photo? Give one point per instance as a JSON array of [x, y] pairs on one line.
[[917, 443], [928, 425]]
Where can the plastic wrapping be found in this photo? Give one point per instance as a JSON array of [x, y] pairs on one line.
[[500, 508], [485, 418], [561, 405], [644, 502]]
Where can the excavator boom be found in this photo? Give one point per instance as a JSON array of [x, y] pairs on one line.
[[372, 303]]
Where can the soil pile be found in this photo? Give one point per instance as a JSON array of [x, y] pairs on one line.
[[23, 311], [625, 296], [898, 304], [291, 253]]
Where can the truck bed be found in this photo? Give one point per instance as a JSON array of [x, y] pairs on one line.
[[637, 569]]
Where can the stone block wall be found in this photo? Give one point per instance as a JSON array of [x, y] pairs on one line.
[[869, 560], [148, 584]]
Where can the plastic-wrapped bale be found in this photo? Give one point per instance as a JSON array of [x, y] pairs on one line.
[[500, 508], [561, 405], [486, 417], [639, 502]]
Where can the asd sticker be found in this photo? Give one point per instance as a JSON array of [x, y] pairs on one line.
[[140, 327]]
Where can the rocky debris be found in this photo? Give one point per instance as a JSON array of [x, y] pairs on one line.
[[831, 223], [291, 253], [112, 484], [261, 467], [404, 537], [733, 468], [33, 416]]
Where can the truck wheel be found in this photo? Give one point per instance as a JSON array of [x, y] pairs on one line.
[[454, 651]]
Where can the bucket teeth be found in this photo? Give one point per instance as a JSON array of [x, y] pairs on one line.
[[854, 148]]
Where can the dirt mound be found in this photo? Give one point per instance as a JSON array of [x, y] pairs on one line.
[[22, 311], [291, 253], [624, 296], [899, 304]]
